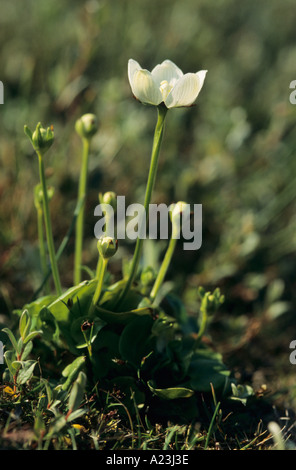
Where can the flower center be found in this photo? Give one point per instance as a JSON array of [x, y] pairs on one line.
[[165, 88]]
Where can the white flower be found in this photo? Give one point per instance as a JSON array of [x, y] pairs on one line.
[[166, 83]]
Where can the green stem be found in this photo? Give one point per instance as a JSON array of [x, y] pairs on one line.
[[99, 286], [42, 250], [99, 267], [100, 260], [203, 325], [60, 250], [88, 342], [163, 269], [158, 134], [48, 228], [80, 218]]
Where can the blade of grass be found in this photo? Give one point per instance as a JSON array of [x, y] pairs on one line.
[[212, 425]]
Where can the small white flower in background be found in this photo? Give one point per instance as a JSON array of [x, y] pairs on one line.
[[166, 83]]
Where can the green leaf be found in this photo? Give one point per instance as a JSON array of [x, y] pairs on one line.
[[20, 345], [32, 335], [72, 370], [17, 365], [122, 318], [76, 414], [107, 339], [207, 368], [49, 392], [26, 372], [79, 297], [274, 291], [9, 356], [11, 337], [136, 340], [28, 132], [56, 426], [277, 309], [34, 308], [48, 324], [171, 393], [180, 354], [24, 324], [105, 349], [27, 350], [241, 393], [110, 297], [77, 392]]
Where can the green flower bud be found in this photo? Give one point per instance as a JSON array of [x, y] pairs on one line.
[[86, 126], [109, 198], [42, 139], [107, 247], [210, 302]]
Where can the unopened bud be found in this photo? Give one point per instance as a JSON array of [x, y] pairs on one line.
[[42, 139], [107, 247], [176, 211], [109, 198], [211, 302], [86, 126]]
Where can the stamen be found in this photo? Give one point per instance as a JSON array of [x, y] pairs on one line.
[[165, 88]]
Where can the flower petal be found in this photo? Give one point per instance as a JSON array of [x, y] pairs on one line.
[[186, 90], [166, 71], [133, 66], [145, 88], [201, 76]]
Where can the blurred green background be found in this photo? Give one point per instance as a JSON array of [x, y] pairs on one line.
[[233, 152]]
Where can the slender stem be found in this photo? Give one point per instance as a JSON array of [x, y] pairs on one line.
[[100, 260], [163, 269], [48, 228], [42, 250], [203, 325], [60, 249], [158, 134], [88, 341], [99, 286], [99, 266], [80, 218]]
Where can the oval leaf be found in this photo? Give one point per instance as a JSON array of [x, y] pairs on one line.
[[171, 393]]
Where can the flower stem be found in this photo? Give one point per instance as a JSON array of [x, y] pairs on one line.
[[48, 228], [80, 218], [100, 259], [60, 251], [158, 134], [99, 267], [163, 269], [98, 290], [42, 250], [203, 325]]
